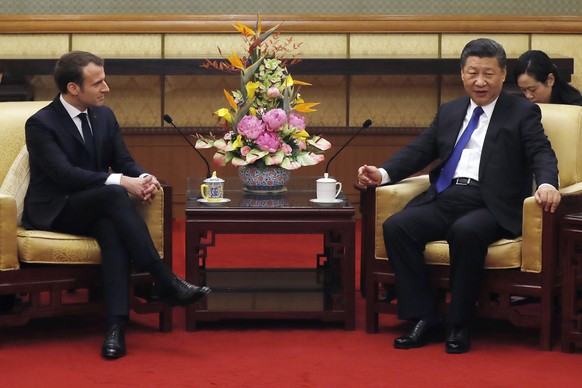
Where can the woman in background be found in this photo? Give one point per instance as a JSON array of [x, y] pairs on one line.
[[541, 82]]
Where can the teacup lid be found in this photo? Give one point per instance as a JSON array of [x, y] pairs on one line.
[[214, 178], [326, 178]]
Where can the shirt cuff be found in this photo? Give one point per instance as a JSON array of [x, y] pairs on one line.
[[385, 177], [113, 179]]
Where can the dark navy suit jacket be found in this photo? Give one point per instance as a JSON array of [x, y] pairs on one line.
[[515, 149], [60, 164]]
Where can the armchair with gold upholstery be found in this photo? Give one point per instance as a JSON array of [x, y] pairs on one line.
[[524, 269], [54, 274]]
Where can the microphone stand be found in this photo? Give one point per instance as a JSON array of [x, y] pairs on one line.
[[169, 120], [365, 125]]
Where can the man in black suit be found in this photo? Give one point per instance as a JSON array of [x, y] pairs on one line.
[[471, 202], [81, 174]]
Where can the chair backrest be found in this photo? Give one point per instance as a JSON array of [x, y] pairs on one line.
[[13, 116], [563, 126]]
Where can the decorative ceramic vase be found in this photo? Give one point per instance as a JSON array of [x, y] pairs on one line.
[[264, 180]]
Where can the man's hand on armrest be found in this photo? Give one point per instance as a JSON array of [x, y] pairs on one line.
[[548, 197], [369, 176]]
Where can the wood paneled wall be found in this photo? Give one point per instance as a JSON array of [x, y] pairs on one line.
[[169, 157]]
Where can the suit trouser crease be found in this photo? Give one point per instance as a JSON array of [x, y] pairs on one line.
[[115, 266], [107, 214], [459, 216]]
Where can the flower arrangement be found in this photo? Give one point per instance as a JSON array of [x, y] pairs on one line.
[[264, 123]]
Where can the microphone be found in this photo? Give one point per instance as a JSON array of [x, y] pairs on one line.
[[365, 125], [169, 120]]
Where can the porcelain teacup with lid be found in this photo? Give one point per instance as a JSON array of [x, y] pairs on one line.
[[327, 188], [212, 189]]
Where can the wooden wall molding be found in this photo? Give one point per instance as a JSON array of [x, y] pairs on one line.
[[291, 23]]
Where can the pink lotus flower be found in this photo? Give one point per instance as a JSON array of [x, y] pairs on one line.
[[250, 127], [297, 121], [274, 119], [273, 92], [301, 145], [268, 141], [287, 149], [264, 122]]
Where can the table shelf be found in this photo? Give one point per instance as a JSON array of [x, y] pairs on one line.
[[324, 291]]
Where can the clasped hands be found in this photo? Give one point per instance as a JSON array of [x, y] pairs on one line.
[[144, 187]]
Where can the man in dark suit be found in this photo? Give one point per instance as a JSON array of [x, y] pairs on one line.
[[81, 174], [476, 194]]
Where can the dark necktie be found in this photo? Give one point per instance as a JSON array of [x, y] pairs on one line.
[[88, 136], [448, 171]]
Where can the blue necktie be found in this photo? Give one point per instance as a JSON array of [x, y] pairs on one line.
[[448, 171]]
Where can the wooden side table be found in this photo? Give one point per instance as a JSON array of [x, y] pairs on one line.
[[325, 290], [571, 256]]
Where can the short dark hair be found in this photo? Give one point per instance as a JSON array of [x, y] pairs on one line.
[[69, 68], [484, 48]]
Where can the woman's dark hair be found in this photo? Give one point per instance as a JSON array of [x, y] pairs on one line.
[[69, 68], [538, 65]]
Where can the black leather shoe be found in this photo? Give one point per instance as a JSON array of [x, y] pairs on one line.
[[458, 340], [114, 344], [419, 336], [182, 293]]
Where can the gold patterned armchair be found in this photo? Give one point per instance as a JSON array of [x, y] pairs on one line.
[[53, 274], [525, 269]]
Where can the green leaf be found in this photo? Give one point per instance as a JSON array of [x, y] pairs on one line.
[[248, 73], [268, 33]]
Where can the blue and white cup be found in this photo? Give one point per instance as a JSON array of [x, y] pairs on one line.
[[212, 189]]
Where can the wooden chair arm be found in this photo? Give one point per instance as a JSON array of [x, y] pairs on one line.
[[158, 217], [8, 245]]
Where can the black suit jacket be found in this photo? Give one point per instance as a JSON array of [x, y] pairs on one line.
[[515, 149], [60, 164]]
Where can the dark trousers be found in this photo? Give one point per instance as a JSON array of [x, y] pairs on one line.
[[459, 216], [107, 214]]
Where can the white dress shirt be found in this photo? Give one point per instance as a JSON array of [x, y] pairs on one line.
[[112, 179], [468, 166], [470, 161]]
